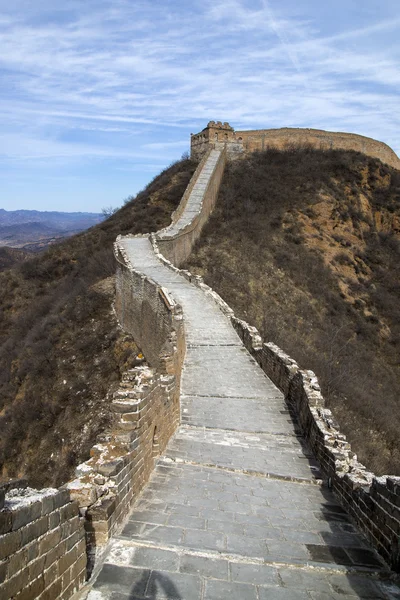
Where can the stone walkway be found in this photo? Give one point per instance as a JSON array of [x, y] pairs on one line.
[[234, 508]]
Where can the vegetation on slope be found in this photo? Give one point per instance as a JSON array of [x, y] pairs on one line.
[[9, 257], [305, 245], [61, 350]]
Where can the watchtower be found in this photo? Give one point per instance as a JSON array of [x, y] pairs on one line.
[[215, 135]]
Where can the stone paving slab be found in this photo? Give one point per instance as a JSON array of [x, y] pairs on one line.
[[139, 572], [258, 415], [281, 455], [239, 377], [236, 514]]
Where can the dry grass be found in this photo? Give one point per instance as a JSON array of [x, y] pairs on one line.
[[61, 350]]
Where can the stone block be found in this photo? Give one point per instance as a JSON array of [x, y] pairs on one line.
[[32, 551], [36, 568], [36, 587], [5, 521], [83, 493], [26, 514], [66, 561], [102, 511], [54, 554], [2, 497], [50, 575], [67, 578], [11, 587], [54, 519], [72, 540], [62, 498], [9, 543], [3, 571], [51, 540], [113, 466], [34, 530], [53, 592], [17, 562], [69, 511], [47, 505]]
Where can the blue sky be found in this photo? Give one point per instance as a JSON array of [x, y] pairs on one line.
[[97, 97]]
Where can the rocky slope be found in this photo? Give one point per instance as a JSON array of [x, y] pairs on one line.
[[61, 350]]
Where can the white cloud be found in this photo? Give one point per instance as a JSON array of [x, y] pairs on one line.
[[91, 79]]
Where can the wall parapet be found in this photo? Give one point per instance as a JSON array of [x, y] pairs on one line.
[[42, 545], [218, 135], [373, 502], [176, 241]]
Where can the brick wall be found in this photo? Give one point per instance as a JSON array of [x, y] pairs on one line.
[[373, 502], [282, 138], [146, 415], [144, 309], [238, 142], [146, 408], [177, 248], [42, 545]]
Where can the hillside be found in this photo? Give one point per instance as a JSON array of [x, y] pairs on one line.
[[61, 350], [305, 245], [11, 256]]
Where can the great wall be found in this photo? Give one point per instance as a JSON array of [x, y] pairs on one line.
[[224, 474]]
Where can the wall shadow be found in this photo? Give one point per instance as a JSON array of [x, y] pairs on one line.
[[150, 587]]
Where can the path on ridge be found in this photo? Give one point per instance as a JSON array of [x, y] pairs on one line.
[[234, 508]]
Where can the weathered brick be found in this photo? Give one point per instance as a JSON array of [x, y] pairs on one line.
[[17, 562], [32, 551], [36, 568], [102, 512], [34, 530], [72, 540], [66, 561], [5, 521], [53, 592], [80, 565], [12, 586], [54, 554], [51, 540], [67, 578], [26, 514], [73, 587], [61, 498], [9, 543], [69, 511], [47, 505], [25, 594], [81, 547], [54, 519], [3, 571], [36, 587], [50, 575], [75, 524]]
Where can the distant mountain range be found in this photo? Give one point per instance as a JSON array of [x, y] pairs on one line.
[[34, 230]]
